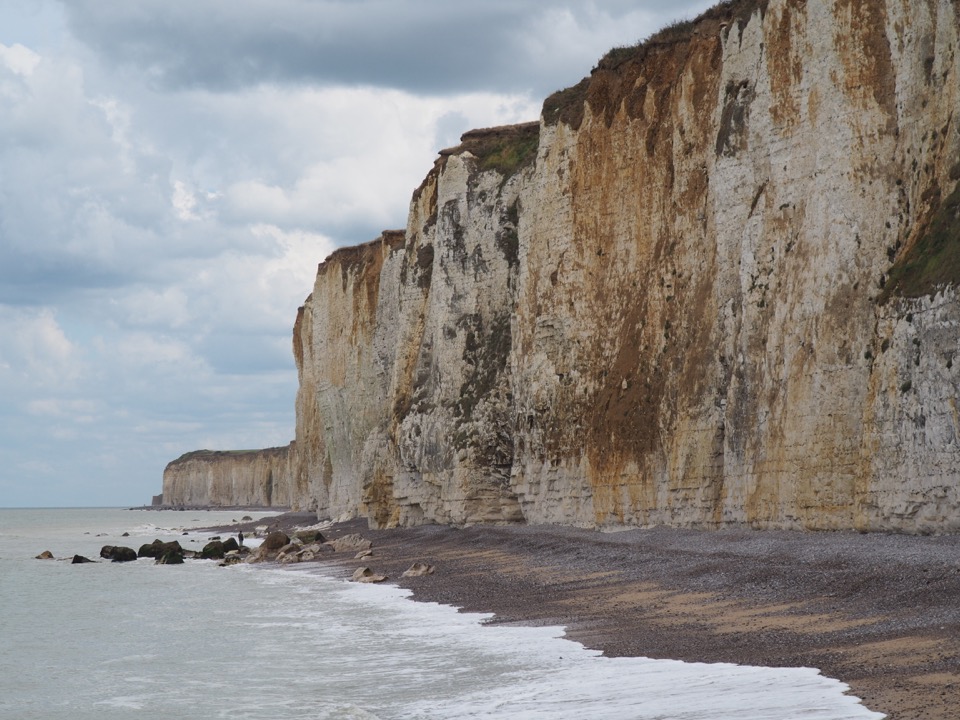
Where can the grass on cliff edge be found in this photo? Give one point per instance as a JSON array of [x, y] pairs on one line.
[[567, 105], [934, 260]]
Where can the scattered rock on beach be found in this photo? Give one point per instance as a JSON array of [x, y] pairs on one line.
[[275, 541], [366, 575], [78, 559], [363, 554], [310, 536], [418, 569], [118, 553], [354, 542], [45, 555]]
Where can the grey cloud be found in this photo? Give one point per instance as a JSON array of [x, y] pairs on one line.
[[429, 46]]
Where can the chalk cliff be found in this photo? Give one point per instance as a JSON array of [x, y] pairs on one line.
[[714, 285], [254, 478]]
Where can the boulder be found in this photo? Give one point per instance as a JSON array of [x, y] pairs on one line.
[[78, 559], [230, 544], [151, 549], [366, 575], [418, 569], [45, 555], [232, 559], [287, 558], [310, 536], [352, 542], [213, 550], [275, 541], [118, 553], [170, 554]]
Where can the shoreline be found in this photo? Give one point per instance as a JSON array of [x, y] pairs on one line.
[[880, 612]]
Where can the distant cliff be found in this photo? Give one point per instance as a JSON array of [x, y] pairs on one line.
[[714, 285], [254, 478]]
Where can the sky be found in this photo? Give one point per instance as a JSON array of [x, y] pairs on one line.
[[171, 174]]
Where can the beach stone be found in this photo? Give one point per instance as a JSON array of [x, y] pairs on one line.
[[246, 518], [213, 550], [363, 554], [275, 541], [418, 569], [310, 536], [126, 534], [118, 553], [232, 559], [45, 555], [288, 558], [354, 542], [79, 559], [230, 544], [307, 555], [366, 575]]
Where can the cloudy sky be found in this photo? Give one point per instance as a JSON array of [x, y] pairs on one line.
[[171, 173]]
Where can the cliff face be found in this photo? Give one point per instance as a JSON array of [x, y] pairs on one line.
[[255, 478], [714, 285]]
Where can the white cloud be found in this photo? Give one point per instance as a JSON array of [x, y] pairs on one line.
[[35, 349], [19, 59]]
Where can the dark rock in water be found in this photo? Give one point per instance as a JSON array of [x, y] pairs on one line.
[[126, 534], [45, 555], [231, 560], [166, 553], [77, 559], [213, 550], [310, 536], [118, 553], [274, 541], [152, 550], [215, 537], [172, 554], [230, 544], [246, 518]]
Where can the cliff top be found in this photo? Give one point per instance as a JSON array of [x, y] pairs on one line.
[[354, 254], [505, 148], [568, 105], [216, 454]]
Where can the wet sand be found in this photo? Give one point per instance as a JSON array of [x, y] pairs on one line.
[[880, 612]]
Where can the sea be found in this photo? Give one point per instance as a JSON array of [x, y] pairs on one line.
[[112, 641]]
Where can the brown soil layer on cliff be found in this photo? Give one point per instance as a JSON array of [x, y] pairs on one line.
[[880, 612]]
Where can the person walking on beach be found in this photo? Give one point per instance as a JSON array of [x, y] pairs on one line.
[[240, 538]]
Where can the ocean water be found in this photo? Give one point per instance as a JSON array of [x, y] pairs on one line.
[[136, 640]]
